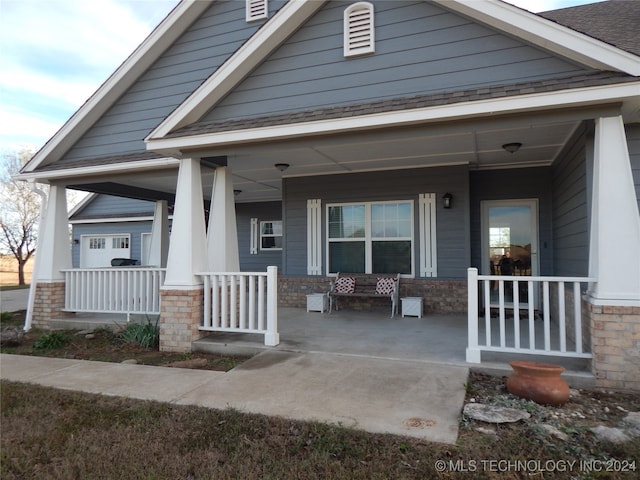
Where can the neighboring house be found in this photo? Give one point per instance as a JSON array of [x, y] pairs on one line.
[[419, 137]]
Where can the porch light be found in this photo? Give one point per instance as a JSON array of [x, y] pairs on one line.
[[446, 200], [281, 166], [512, 147]]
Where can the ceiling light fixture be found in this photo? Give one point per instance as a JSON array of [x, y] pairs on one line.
[[281, 166], [512, 147]]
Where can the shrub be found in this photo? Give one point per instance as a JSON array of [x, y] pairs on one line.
[[147, 335], [51, 341]]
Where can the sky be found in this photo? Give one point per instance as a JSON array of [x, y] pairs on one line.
[[54, 54]]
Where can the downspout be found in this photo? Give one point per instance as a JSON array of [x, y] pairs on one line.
[[32, 288]]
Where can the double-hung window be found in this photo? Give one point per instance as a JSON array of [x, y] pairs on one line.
[[375, 237], [271, 235]]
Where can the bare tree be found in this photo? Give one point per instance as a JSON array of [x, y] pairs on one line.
[[19, 211]]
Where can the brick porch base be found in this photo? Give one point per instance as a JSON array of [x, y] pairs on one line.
[[181, 313]]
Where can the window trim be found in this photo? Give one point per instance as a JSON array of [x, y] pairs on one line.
[[368, 238], [364, 31], [262, 235]]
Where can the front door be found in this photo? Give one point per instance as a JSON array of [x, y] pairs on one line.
[[510, 242]]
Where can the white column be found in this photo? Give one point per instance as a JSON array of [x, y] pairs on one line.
[[615, 221], [187, 248], [54, 247], [159, 248], [222, 237]]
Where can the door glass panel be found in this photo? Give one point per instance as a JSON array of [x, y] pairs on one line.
[[511, 238]]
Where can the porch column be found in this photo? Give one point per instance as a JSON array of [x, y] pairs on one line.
[[53, 255], [181, 306], [222, 237], [615, 221], [614, 299], [159, 247]]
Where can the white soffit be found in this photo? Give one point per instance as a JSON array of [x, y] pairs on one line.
[[161, 38], [546, 34]]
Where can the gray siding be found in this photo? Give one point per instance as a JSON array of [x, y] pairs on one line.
[[633, 140], [263, 212], [421, 48], [570, 208], [134, 229], [452, 225], [109, 206], [514, 184], [211, 40]]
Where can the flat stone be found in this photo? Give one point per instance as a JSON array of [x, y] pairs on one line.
[[11, 337], [494, 414], [632, 419], [608, 434], [193, 363], [130, 361], [554, 432]]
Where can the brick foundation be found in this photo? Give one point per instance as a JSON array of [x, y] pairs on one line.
[[439, 296], [181, 312], [615, 338], [48, 304]]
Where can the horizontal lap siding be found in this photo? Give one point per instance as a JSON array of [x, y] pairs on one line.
[[420, 49], [263, 212], [570, 208], [108, 205], [213, 38], [452, 225]]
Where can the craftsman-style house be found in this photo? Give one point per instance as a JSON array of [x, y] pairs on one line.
[[489, 155]]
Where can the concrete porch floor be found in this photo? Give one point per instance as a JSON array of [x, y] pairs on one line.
[[440, 339]]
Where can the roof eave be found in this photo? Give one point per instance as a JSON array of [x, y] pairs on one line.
[[546, 34], [577, 97], [183, 15]]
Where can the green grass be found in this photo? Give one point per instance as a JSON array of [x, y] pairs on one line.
[[55, 434]]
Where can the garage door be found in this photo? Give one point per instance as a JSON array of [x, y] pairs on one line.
[[98, 250]]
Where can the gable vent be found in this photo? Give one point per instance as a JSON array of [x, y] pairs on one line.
[[358, 29], [257, 10]]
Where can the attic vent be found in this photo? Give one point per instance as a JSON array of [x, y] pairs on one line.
[[257, 10], [358, 29]]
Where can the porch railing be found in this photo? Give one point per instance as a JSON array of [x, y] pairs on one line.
[[545, 315], [114, 290], [242, 302]]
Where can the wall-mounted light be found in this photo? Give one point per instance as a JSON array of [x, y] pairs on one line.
[[512, 147], [281, 166], [76, 241], [447, 198]]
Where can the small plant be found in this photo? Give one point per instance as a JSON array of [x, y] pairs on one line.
[[5, 316], [147, 335], [51, 341]]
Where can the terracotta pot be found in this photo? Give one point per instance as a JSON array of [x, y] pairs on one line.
[[539, 382]]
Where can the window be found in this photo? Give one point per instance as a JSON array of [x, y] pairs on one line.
[[370, 237], [97, 243], [271, 235], [120, 242], [359, 29], [256, 10]]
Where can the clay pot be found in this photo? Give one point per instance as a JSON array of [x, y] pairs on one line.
[[539, 382]]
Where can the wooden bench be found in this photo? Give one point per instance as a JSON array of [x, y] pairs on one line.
[[361, 285]]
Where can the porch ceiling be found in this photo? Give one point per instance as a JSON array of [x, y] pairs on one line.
[[477, 144]]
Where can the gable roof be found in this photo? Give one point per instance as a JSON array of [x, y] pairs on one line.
[[616, 22], [502, 16]]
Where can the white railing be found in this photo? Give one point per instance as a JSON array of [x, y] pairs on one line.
[[114, 290], [242, 302], [553, 329]]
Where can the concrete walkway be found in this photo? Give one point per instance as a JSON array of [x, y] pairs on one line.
[[376, 395]]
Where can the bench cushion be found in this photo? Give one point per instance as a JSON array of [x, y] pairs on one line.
[[345, 285], [385, 286]]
